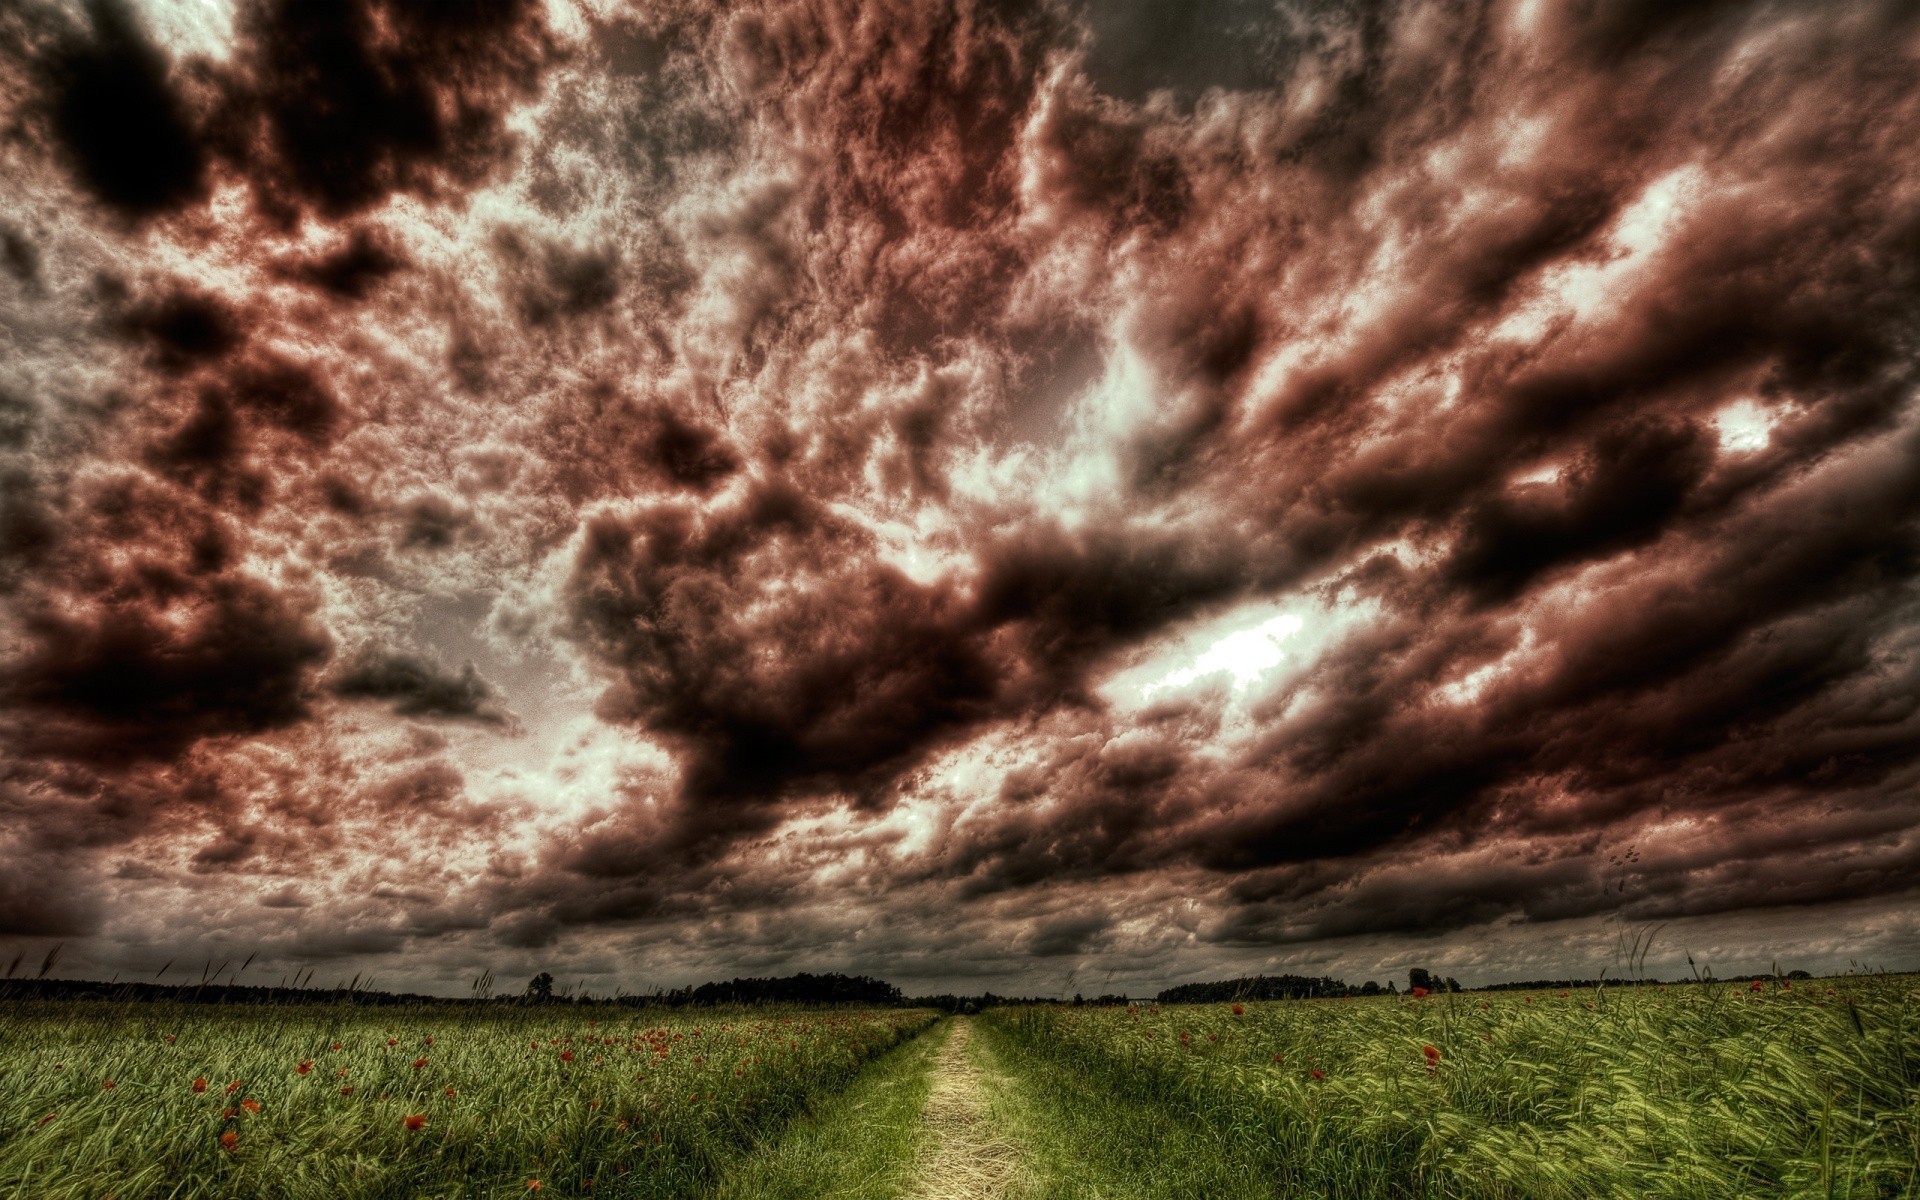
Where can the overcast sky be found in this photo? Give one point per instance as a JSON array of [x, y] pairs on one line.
[[996, 494]]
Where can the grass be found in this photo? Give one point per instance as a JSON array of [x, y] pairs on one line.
[[99, 1100], [1086, 1141], [859, 1145], [1689, 1093], [1686, 1093]]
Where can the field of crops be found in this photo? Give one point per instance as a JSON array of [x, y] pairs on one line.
[[1804, 1089], [186, 1101], [1808, 1089]]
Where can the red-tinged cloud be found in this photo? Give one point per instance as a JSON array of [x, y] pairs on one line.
[[971, 493]]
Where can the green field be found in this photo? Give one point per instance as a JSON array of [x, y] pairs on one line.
[[1715, 1091]]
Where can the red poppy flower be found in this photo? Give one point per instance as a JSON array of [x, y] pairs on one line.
[[106, 1085], [235, 1086], [393, 1041], [429, 1041], [566, 1056], [169, 1039], [1755, 987], [1279, 1058], [338, 1046], [415, 1123], [200, 1085], [1239, 1010], [1419, 992], [230, 1114], [346, 1091], [250, 1104], [1433, 1055], [451, 1092], [418, 1063], [1317, 1073], [229, 1140], [305, 1067], [533, 1185]]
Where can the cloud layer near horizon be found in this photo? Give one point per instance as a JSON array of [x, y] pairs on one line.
[[963, 491]]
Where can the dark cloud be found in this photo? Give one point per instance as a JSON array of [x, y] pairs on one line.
[[1109, 483], [119, 119], [418, 687], [338, 106], [182, 329], [352, 271], [151, 672]]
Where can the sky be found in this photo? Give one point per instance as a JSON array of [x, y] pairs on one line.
[[1012, 494]]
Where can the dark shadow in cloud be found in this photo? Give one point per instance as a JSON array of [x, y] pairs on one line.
[[183, 329], [138, 681], [603, 442], [563, 283], [432, 522], [20, 257], [350, 273], [418, 687], [118, 120], [1622, 493], [339, 105]]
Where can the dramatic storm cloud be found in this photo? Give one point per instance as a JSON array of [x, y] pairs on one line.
[[1010, 494]]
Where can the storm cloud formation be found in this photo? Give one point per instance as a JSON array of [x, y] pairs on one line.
[[952, 490]]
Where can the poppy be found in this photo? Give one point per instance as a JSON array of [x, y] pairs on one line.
[[533, 1185], [200, 1085], [429, 1041], [229, 1114], [305, 1067], [1433, 1055], [393, 1041], [415, 1123], [1419, 992], [451, 1092], [418, 1063], [1279, 1058], [169, 1039], [229, 1140], [1756, 986], [346, 1091], [566, 1056], [106, 1085], [250, 1104], [1239, 1010], [341, 1073], [338, 1046], [235, 1086], [1317, 1073]]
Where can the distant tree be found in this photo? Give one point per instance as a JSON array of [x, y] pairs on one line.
[[1420, 977], [1370, 988], [1799, 975], [1078, 1000], [1453, 985], [540, 988]]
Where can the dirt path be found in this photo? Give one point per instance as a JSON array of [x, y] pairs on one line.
[[967, 1157]]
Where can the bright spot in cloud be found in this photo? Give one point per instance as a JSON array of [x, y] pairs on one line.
[[1744, 427], [1246, 655]]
